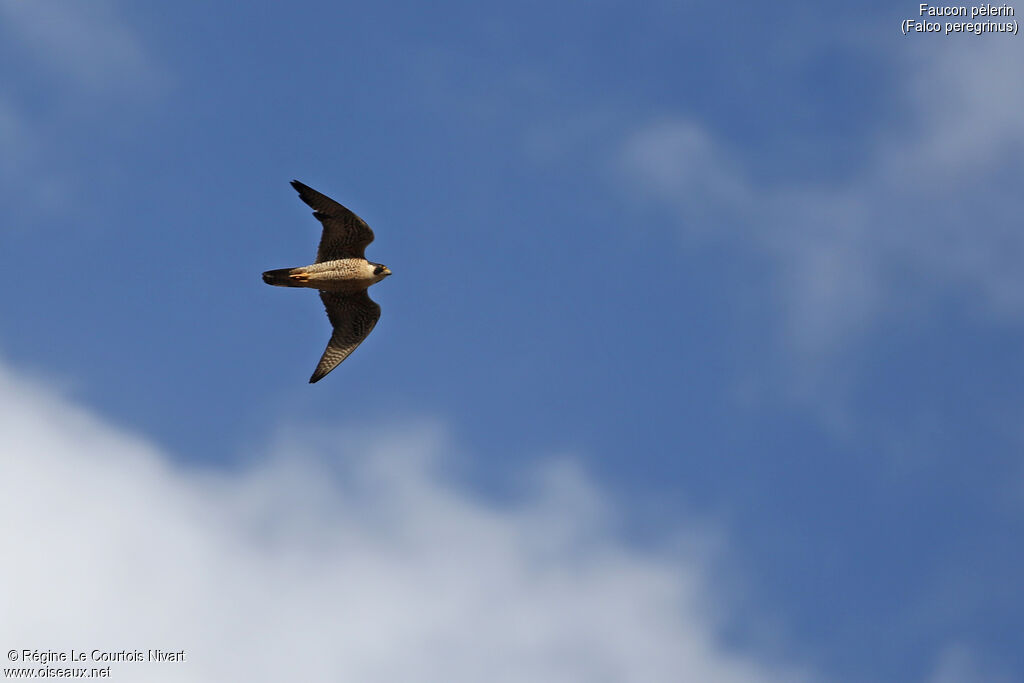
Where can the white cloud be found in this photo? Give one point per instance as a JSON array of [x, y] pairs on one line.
[[678, 161], [78, 64], [957, 663], [339, 556], [936, 206], [84, 43], [967, 97]]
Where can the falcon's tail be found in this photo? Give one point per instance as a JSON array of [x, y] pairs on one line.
[[286, 277]]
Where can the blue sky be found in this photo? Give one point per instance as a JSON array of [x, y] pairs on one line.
[[745, 279]]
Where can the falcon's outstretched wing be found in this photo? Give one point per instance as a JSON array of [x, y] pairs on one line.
[[353, 317], [345, 234]]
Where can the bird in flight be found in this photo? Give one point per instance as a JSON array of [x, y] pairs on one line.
[[342, 275]]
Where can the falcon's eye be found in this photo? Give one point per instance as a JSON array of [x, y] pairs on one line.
[[378, 270]]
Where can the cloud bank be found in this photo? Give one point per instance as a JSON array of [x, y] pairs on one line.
[[934, 207], [337, 557]]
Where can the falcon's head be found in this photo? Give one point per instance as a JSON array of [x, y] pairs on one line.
[[380, 271]]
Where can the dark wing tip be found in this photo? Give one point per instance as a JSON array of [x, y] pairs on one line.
[[305, 191]]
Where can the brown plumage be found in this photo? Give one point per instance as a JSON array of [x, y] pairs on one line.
[[341, 273]]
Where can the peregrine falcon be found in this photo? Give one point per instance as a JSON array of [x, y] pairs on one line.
[[341, 273]]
